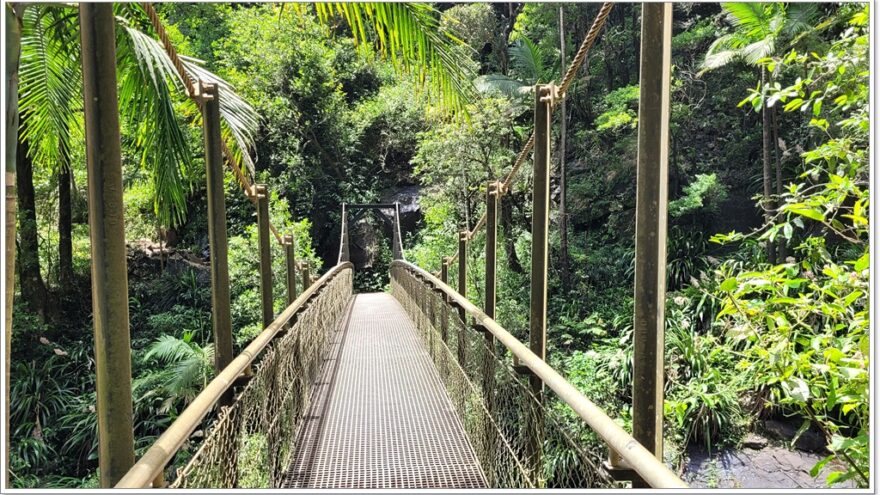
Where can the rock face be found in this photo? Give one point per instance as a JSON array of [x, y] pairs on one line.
[[767, 468], [410, 211], [753, 441], [810, 440]]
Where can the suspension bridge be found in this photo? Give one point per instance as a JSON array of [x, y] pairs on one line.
[[416, 388]]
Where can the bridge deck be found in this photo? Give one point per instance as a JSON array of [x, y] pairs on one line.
[[380, 417]]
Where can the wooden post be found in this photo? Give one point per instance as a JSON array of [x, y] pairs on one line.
[[492, 194], [462, 267], [462, 289], [265, 234], [13, 20], [651, 199], [290, 260], [107, 237], [397, 242], [344, 249], [540, 248], [306, 278], [444, 311], [220, 299]]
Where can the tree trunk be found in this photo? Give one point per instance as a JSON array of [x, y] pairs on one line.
[[635, 39], [781, 248], [13, 14], [65, 230], [767, 205], [563, 211], [33, 291], [509, 242]]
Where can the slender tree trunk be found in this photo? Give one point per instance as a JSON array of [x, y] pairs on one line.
[[635, 29], [767, 205], [65, 230], [33, 290], [563, 210], [781, 248], [509, 242], [609, 64], [13, 14]]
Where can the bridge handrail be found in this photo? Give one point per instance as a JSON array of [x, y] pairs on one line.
[[633, 453], [154, 461]]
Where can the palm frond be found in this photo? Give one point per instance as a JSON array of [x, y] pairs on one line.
[[753, 17], [191, 374], [758, 50], [527, 60], [148, 84], [720, 53], [239, 119], [799, 18], [169, 349], [507, 86], [50, 83], [410, 35]]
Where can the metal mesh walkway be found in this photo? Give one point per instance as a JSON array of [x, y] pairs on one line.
[[380, 417]]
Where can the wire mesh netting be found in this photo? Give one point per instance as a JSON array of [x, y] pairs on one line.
[[250, 443], [518, 429]]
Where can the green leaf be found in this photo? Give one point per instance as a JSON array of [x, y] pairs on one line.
[[807, 212], [814, 471], [862, 262], [728, 285], [794, 104], [797, 389]]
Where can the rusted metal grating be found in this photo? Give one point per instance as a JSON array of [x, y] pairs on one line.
[[380, 417]]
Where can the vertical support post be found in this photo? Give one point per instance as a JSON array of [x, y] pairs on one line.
[[306, 278], [540, 248], [107, 237], [13, 21], [462, 267], [444, 312], [492, 194], [265, 254], [220, 299], [462, 289], [290, 262], [397, 242], [651, 199], [344, 250]]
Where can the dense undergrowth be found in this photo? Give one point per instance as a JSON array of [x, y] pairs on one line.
[[751, 333]]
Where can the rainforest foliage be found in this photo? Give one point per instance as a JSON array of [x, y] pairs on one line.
[[768, 251]]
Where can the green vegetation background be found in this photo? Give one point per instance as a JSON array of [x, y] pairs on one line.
[[767, 307]]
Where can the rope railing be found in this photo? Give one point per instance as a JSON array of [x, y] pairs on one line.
[[517, 436], [559, 94], [268, 408]]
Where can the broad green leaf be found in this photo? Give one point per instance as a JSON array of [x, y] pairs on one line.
[[728, 285]]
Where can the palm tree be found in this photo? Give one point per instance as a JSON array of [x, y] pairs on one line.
[[51, 117], [762, 30], [188, 366], [528, 67], [149, 88]]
